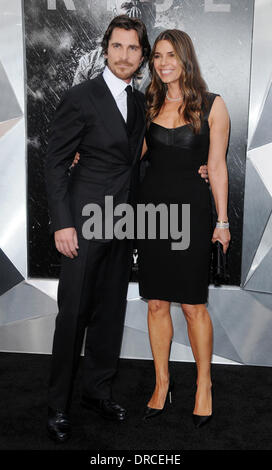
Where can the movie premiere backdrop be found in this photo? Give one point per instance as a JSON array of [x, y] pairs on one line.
[[62, 44]]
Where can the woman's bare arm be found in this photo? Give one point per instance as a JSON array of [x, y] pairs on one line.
[[217, 167]]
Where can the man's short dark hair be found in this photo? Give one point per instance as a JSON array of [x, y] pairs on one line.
[[127, 23]]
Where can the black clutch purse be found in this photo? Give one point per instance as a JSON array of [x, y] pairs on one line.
[[219, 265]]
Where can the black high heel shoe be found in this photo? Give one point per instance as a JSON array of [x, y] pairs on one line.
[[153, 412], [199, 420]]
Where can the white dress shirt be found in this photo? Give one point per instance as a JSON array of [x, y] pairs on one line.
[[117, 87]]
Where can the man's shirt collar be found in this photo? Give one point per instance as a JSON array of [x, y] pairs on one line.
[[115, 84]]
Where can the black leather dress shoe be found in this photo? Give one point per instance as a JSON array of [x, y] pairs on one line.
[[58, 425], [107, 408]]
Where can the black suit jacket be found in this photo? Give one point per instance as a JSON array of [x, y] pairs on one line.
[[88, 120]]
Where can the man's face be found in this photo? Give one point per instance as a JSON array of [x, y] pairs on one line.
[[124, 54]]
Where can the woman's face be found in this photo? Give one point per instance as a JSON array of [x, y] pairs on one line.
[[166, 63]]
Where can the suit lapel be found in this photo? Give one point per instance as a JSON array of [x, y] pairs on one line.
[[113, 120], [108, 111]]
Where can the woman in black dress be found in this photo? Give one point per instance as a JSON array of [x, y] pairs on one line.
[[186, 127]]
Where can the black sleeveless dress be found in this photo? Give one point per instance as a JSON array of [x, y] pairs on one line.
[[172, 178]]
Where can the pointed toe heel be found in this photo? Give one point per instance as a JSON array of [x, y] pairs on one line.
[[153, 412], [200, 421]]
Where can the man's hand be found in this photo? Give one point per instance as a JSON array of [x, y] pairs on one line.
[[66, 241], [76, 160], [203, 170]]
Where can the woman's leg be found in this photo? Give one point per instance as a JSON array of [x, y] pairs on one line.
[[200, 332], [160, 334]]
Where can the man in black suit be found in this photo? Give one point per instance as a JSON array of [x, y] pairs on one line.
[[104, 120]]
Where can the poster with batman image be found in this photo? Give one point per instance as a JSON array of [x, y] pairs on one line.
[[63, 48]]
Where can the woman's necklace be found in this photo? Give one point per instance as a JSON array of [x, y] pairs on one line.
[[173, 99]]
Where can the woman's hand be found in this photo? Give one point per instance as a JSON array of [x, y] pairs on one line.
[[222, 235], [76, 160], [203, 171]]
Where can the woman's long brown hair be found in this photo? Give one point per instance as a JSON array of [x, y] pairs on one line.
[[193, 87]]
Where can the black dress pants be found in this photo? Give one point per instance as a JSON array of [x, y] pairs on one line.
[[91, 295]]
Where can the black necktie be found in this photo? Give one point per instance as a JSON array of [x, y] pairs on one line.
[[131, 109]]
